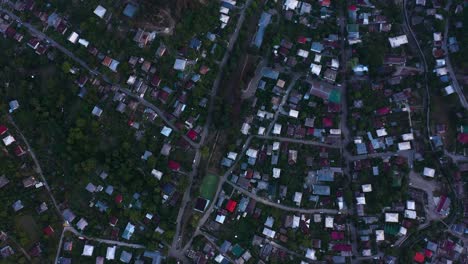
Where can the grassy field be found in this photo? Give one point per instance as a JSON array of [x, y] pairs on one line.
[[208, 186]]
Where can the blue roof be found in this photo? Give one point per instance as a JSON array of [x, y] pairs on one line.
[[195, 43], [270, 73], [317, 47], [130, 10], [168, 189], [321, 189], [227, 5], [361, 148], [262, 24]]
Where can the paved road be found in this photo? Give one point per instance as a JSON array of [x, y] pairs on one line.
[[100, 240], [456, 86], [283, 101], [298, 141], [284, 207], [414, 42], [217, 81], [95, 72]]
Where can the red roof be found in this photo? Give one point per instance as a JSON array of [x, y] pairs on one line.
[[156, 80], [192, 134], [173, 165], [113, 220], [3, 129], [335, 235], [462, 138], [118, 198], [383, 110], [428, 253], [442, 200], [327, 122], [419, 257], [231, 206], [302, 39], [48, 231], [326, 3], [352, 8], [19, 151], [342, 247]]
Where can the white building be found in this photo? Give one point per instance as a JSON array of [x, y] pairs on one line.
[[429, 172], [396, 42]]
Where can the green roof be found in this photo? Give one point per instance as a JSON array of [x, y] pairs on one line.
[[391, 229], [237, 250], [335, 96], [464, 129]]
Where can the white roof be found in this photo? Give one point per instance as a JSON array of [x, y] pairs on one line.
[[100, 11], [157, 174], [245, 128], [166, 131], [83, 42], [131, 80], [180, 64], [381, 132], [366, 253], [335, 64], [380, 236], [277, 129], [317, 58], [398, 41], [429, 172], [335, 131], [224, 18], [224, 10], [219, 258], [407, 137], [391, 217], [8, 140], [276, 145], [329, 221], [252, 153], [403, 231], [298, 197], [296, 221], [302, 53], [261, 130], [440, 62], [110, 254], [276, 173], [73, 37], [361, 200], [437, 36], [293, 113], [449, 90], [232, 155], [88, 250], [441, 71], [310, 254], [411, 205], [404, 145], [97, 111], [268, 232], [315, 69], [411, 214], [291, 4], [220, 218], [367, 188]]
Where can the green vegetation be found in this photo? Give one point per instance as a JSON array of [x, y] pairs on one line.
[[208, 186]]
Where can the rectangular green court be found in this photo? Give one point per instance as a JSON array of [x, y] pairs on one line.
[[208, 186]]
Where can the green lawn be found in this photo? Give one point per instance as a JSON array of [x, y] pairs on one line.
[[208, 186]]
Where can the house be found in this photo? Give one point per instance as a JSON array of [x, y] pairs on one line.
[[180, 64], [100, 11], [143, 38], [310, 254], [88, 250], [18, 205], [130, 10], [8, 140], [73, 38], [128, 232], [231, 206], [97, 111], [81, 225], [48, 231], [3, 181], [68, 215], [396, 42], [173, 165], [110, 254], [14, 105], [391, 217], [125, 256], [429, 172]]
